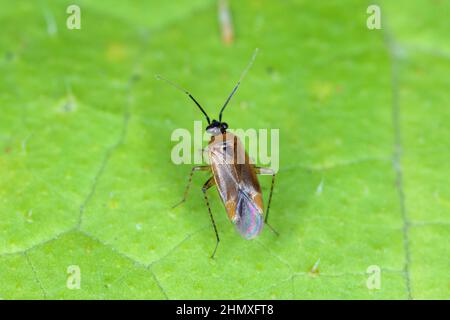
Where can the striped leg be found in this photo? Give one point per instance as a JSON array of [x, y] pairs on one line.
[[208, 184], [186, 191]]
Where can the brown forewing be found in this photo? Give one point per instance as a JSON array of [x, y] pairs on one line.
[[232, 171]]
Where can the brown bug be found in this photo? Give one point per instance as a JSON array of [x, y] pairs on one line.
[[233, 174]]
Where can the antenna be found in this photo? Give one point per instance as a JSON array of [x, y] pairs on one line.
[[176, 86], [239, 82]]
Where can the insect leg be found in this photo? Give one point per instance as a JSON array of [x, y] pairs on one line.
[[268, 171], [208, 184], [186, 191]]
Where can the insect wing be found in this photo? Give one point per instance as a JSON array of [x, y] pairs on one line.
[[225, 172], [237, 185], [248, 219]]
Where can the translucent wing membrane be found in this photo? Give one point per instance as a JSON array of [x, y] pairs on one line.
[[248, 220]]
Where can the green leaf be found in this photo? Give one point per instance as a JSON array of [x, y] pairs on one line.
[[87, 181]]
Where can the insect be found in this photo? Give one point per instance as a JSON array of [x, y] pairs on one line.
[[233, 174]]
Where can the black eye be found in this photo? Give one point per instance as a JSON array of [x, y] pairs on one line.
[[224, 125]]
